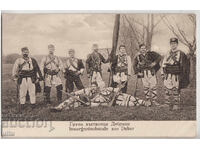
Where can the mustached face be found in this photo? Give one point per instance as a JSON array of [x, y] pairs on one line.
[[71, 54], [143, 49], [173, 45], [25, 53], [51, 50], [122, 50]]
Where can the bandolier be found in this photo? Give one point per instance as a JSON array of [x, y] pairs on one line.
[[93, 67], [175, 71], [73, 69], [121, 68], [146, 66], [52, 66]]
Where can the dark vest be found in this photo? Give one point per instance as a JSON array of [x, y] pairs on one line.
[[32, 73], [69, 72], [143, 62]]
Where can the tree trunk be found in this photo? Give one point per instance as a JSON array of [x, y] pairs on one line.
[[192, 59], [115, 34], [114, 43]]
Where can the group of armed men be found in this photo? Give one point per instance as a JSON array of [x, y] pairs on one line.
[[27, 73]]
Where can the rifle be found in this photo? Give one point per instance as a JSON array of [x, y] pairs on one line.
[[75, 98], [136, 86], [117, 93]]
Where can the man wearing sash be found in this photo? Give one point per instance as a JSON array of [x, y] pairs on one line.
[[146, 65], [26, 73], [93, 66], [175, 73], [73, 69], [121, 68], [52, 66]]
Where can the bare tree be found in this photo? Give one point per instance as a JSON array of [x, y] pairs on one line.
[[147, 30], [114, 42], [139, 30], [186, 39]]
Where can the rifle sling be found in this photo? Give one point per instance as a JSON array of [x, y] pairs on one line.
[[71, 63]]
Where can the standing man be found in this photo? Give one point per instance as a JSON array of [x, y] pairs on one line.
[[175, 73], [27, 73], [93, 66], [73, 69], [51, 66], [121, 68], [146, 65]]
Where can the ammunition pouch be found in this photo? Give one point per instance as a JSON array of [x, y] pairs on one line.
[[121, 69], [50, 72], [70, 73], [172, 69]]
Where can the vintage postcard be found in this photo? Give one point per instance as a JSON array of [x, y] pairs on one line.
[[111, 75]]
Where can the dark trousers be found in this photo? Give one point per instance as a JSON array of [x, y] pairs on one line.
[[70, 81], [124, 89], [47, 91]]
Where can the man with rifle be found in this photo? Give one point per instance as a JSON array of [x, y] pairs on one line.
[[27, 74], [146, 65], [93, 66], [175, 73], [121, 68], [95, 96], [73, 69], [52, 66]]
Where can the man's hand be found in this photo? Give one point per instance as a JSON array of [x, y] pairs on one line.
[[78, 73], [140, 74], [72, 93], [152, 64], [37, 80], [163, 76], [57, 69]]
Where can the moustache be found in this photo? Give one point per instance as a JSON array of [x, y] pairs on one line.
[[25, 55]]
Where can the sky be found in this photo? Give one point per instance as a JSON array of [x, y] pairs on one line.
[[65, 31]]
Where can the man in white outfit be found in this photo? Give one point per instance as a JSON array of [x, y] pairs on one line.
[[26, 73], [52, 66], [146, 65], [121, 68]]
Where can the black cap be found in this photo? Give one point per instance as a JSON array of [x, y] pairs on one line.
[[24, 48], [174, 40]]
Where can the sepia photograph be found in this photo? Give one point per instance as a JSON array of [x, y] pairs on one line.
[[98, 74], [98, 67]]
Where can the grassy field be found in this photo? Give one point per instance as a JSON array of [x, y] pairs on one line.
[[41, 112]]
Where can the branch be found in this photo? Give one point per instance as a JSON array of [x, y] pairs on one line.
[[134, 32], [171, 28], [139, 23], [161, 18], [192, 18]]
